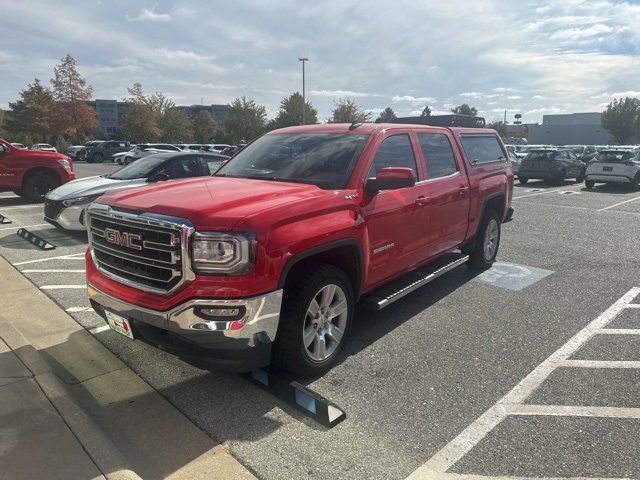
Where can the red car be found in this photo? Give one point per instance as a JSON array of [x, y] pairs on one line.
[[32, 173], [265, 261]]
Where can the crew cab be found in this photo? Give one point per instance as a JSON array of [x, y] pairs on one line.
[[264, 262], [32, 173], [614, 166]]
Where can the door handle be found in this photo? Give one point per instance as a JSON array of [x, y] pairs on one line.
[[421, 201], [463, 191]]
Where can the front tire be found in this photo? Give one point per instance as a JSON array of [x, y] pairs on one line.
[[487, 242], [522, 180], [97, 158], [37, 186], [127, 160], [317, 313]]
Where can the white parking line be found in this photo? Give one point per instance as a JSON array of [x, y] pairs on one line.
[[16, 227], [620, 331], [600, 364], [53, 271], [574, 411], [73, 256], [78, 309], [457, 448], [617, 204], [102, 328], [62, 287], [573, 207], [16, 207]]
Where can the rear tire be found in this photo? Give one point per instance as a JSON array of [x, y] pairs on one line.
[[37, 186], [635, 184], [97, 158], [589, 184], [522, 180], [487, 242], [307, 343]]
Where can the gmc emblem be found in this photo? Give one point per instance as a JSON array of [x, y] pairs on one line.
[[123, 239]]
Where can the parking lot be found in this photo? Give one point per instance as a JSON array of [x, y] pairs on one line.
[[531, 369]]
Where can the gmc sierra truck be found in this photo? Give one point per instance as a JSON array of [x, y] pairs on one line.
[[264, 262], [32, 173]]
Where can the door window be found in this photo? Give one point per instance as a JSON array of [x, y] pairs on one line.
[[395, 151], [212, 164], [181, 167], [438, 155], [482, 149]]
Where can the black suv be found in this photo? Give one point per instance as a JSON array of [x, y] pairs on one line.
[[551, 164], [105, 150]]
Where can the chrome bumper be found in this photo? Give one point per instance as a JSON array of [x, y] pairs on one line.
[[262, 314]]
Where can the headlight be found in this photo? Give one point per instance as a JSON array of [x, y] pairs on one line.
[[80, 200], [223, 253], [65, 163]]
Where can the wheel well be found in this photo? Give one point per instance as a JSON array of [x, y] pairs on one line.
[[37, 170], [495, 203], [348, 258]]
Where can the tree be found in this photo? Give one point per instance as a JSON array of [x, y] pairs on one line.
[[204, 127], [71, 92], [347, 111], [33, 115], [426, 111], [465, 109], [176, 126], [622, 119], [137, 94], [499, 126], [159, 103], [246, 121], [290, 112], [140, 124], [387, 114]]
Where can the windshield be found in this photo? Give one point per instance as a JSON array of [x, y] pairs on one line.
[[542, 155], [139, 169], [616, 156], [322, 159]]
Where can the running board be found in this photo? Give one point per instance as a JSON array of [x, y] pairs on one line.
[[385, 296]]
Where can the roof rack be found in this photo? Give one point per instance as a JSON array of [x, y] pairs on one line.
[[441, 121]]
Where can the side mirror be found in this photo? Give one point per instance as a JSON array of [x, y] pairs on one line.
[[390, 178], [159, 177]]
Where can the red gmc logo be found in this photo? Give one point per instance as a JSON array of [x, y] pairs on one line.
[[123, 239]]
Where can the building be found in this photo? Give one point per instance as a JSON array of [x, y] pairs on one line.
[[569, 129], [111, 113]]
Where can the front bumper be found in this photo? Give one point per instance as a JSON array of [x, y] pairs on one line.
[[68, 218], [239, 345]]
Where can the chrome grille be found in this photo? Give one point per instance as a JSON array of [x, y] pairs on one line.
[[137, 250]]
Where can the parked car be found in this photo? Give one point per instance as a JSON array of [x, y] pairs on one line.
[[124, 158], [145, 149], [515, 162], [232, 150], [194, 147], [104, 151], [614, 166], [586, 153], [216, 147], [45, 147], [551, 164], [19, 145], [32, 173], [65, 206], [514, 150], [272, 253], [81, 154]]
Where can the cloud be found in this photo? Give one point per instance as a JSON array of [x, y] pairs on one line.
[[342, 93], [410, 98], [146, 15], [628, 93]]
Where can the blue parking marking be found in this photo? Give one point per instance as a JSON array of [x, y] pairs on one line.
[[512, 276]]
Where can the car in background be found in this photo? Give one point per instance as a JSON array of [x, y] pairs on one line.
[[45, 147], [124, 158], [64, 207], [19, 145], [216, 147], [232, 150], [192, 147], [77, 152], [145, 149], [515, 161], [614, 166], [551, 164], [586, 153], [104, 151]]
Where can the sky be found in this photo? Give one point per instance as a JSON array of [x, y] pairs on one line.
[[527, 57]]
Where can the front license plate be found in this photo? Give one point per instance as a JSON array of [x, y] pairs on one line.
[[607, 169], [119, 324]]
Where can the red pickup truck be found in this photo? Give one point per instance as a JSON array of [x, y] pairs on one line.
[[278, 246], [32, 173]]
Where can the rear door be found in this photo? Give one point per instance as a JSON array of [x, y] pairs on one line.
[[448, 192]]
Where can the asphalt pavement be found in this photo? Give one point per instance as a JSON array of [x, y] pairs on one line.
[[418, 379]]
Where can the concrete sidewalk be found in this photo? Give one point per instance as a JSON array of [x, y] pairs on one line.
[[70, 409]]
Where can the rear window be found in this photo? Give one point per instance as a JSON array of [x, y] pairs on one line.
[[616, 156], [482, 149], [542, 155]]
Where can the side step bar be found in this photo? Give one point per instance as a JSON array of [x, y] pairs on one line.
[[385, 296]]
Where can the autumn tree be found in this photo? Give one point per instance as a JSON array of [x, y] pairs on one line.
[[140, 124], [347, 111], [159, 103], [176, 126], [465, 109], [204, 127], [246, 121], [71, 92], [499, 126], [290, 112], [622, 119], [386, 115], [33, 114], [426, 111]]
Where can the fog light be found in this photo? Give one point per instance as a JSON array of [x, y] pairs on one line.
[[220, 312]]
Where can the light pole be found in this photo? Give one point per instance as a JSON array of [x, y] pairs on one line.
[[304, 101]]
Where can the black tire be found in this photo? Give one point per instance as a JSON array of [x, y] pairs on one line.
[[635, 184], [589, 184], [522, 180], [480, 258], [580, 178], [37, 185], [290, 352], [127, 160], [558, 179], [97, 158]]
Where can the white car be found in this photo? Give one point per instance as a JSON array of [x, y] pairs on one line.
[[216, 147], [146, 149], [123, 158], [19, 145], [45, 147], [614, 166]]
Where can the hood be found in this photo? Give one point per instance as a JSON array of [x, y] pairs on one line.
[[91, 186], [43, 154], [213, 202]]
